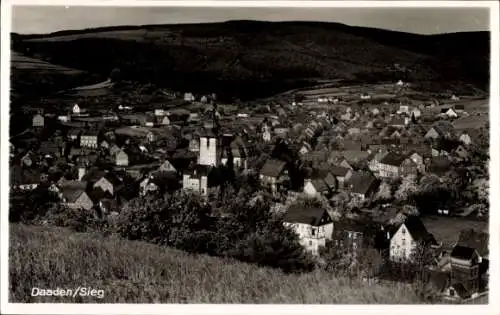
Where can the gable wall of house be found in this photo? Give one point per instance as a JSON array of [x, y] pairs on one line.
[[312, 238], [309, 189], [432, 134], [465, 139], [122, 159], [84, 202], [38, 121], [167, 167], [401, 245]]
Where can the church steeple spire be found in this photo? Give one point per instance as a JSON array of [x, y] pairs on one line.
[[215, 119]]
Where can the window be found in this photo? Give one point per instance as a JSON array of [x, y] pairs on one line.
[[354, 236], [310, 243], [452, 292], [403, 242], [313, 231]]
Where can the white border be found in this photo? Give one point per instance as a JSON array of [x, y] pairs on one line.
[[257, 3], [11, 308]]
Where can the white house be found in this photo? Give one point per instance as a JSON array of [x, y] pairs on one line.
[[416, 112], [38, 121], [147, 185], [465, 138], [408, 236], [159, 112], [63, 118], [266, 134], [313, 226], [419, 161], [450, 113], [76, 109], [189, 97], [403, 109], [196, 180], [320, 185], [121, 158]]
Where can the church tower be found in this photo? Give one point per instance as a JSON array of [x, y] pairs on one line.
[[208, 150]]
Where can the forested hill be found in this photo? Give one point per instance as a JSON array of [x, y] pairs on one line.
[[249, 59]]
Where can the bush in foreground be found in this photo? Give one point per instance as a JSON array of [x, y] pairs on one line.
[[138, 272]]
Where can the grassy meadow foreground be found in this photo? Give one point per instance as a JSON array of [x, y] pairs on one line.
[[138, 272]]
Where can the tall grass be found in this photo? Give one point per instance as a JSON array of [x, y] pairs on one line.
[[138, 272]]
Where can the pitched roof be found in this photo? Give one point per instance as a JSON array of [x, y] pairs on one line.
[[393, 159], [362, 182], [351, 145], [339, 171], [91, 133], [113, 178], [74, 132], [462, 252], [47, 147], [439, 164], [273, 168], [71, 194], [387, 215], [353, 156], [475, 239], [418, 230], [300, 214], [351, 225], [380, 155], [443, 127], [319, 184]]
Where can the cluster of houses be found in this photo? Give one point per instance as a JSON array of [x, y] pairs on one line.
[[102, 161]]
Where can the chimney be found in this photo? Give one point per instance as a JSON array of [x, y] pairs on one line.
[[388, 235]]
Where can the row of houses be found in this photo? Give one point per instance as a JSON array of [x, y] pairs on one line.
[[456, 274]]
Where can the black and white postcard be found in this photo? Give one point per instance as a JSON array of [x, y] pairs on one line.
[[194, 157]]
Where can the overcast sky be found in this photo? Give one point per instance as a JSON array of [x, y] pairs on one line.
[[39, 19]]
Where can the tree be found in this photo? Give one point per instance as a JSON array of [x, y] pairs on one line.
[[384, 192], [145, 218], [370, 262], [29, 206], [407, 187], [335, 258], [253, 233], [422, 258]]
